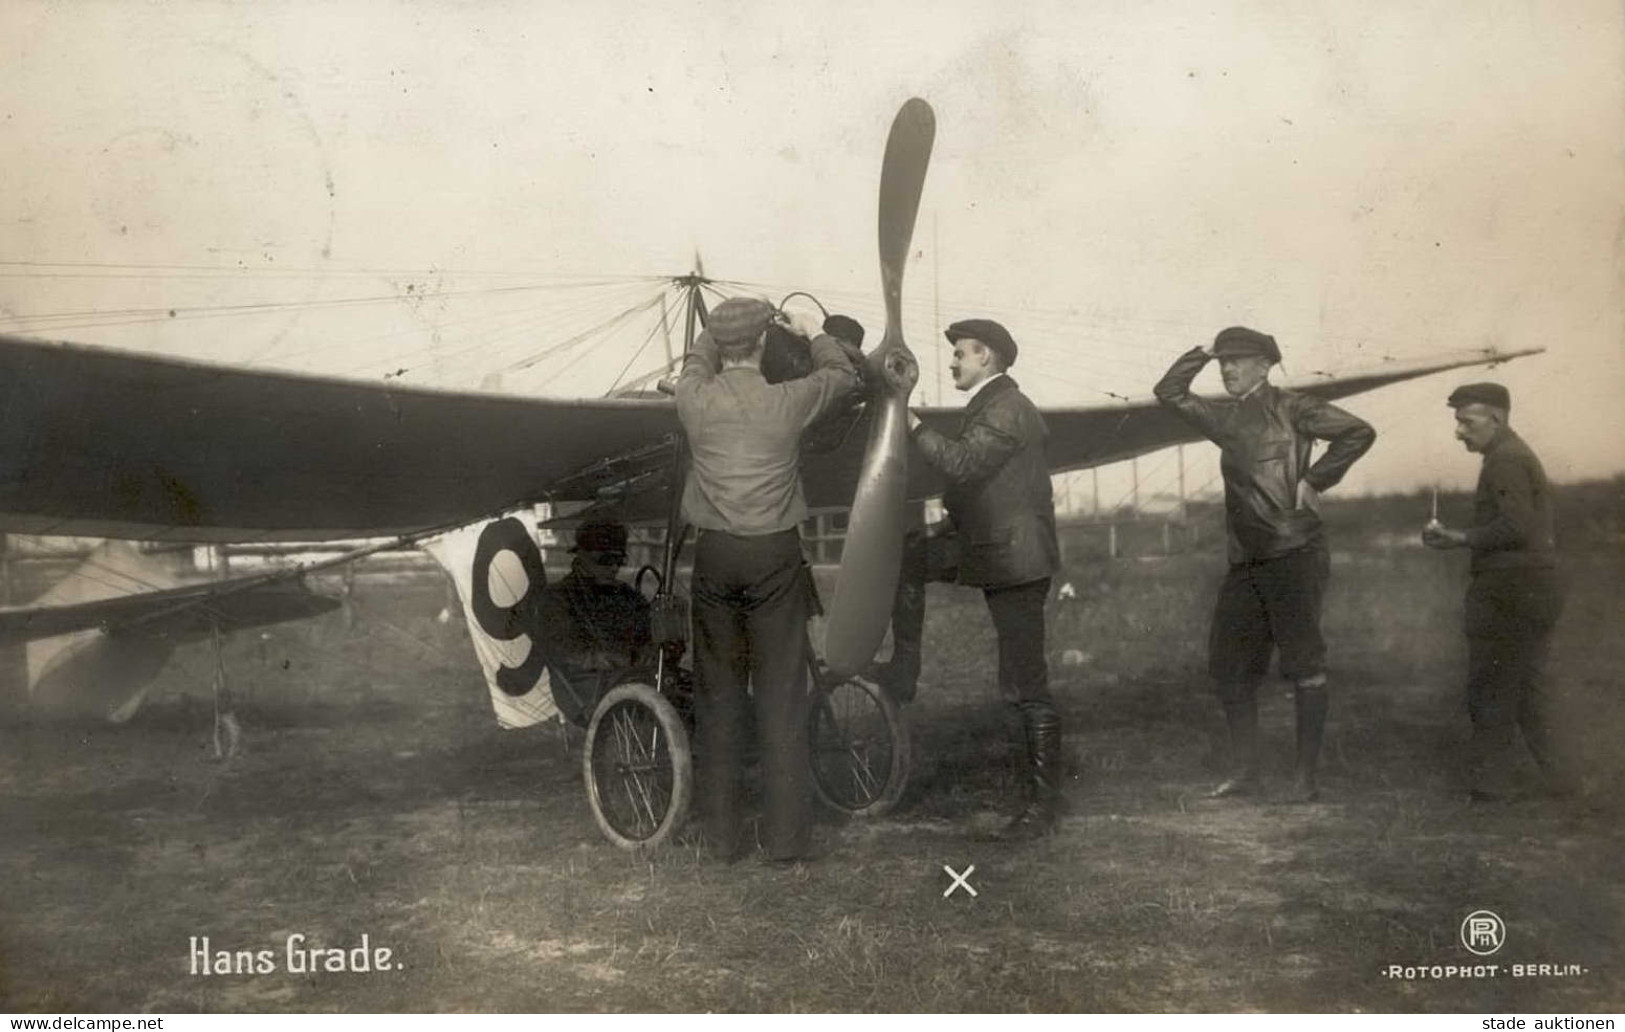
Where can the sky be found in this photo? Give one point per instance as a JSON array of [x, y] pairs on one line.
[[452, 193]]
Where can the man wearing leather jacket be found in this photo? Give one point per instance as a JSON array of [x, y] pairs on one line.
[[1271, 596], [1003, 513]]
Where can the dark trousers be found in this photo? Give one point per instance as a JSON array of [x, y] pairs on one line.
[[1018, 619], [925, 559], [1263, 606], [1510, 615], [1017, 612], [750, 630]]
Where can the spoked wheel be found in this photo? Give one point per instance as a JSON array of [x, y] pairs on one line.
[[859, 746], [637, 766]]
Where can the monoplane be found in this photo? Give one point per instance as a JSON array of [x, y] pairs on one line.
[[126, 446]]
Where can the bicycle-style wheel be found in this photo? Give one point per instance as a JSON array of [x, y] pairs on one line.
[[638, 768], [859, 745]]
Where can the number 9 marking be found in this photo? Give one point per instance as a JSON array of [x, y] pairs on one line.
[[523, 617]]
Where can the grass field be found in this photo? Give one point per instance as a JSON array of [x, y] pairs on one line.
[[376, 797]]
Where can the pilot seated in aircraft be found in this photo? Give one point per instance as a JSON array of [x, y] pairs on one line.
[[595, 627]]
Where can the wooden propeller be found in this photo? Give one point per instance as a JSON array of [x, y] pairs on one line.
[[873, 550]]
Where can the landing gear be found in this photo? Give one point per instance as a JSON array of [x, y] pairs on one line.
[[637, 766], [859, 744], [637, 760]]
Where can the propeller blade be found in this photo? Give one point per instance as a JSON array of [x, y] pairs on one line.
[[873, 550]]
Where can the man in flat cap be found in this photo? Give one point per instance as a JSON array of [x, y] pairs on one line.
[[1513, 596], [744, 496], [1003, 517], [594, 627], [1270, 598]]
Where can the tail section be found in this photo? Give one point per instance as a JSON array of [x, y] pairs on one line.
[[93, 671]]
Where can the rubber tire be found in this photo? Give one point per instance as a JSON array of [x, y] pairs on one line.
[[677, 758], [886, 796]]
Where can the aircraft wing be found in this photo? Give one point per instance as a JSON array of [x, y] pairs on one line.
[[114, 444], [172, 612], [1095, 435], [104, 443]]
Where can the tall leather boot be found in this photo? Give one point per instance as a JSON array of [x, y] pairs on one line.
[[1309, 702], [1241, 718], [1041, 725]]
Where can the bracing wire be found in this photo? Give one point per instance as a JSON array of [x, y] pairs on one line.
[[511, 335], [102, 319], [653, 330], [136, 270], [583, 354], [588, 334]]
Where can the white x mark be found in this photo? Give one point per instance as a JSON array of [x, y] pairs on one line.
[[959, 880]]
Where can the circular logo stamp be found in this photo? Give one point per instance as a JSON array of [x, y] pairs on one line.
[[1482, 932]]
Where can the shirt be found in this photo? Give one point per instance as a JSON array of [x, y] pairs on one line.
[[1512, 508], [974, 391], [744, 436]]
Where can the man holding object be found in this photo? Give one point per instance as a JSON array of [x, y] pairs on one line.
[[1513, 598], [744, 497], [1003, 512]]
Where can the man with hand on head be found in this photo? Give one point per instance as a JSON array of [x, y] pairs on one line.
[[1000, 503], [1514, 597], [786, 355], [1271, 596], [744, 496]]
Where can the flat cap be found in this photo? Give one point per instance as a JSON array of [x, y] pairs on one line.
[[989, 333], [1492, 394], [846, 328], [739, 320], [599, 534], [1240, 342]]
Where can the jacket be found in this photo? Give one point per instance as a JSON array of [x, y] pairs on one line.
[[1266, 439], [590, 634], [744, 436], [999, 494], [1512, 509]]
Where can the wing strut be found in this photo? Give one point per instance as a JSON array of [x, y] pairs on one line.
[[225, 704], [676, 529]]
